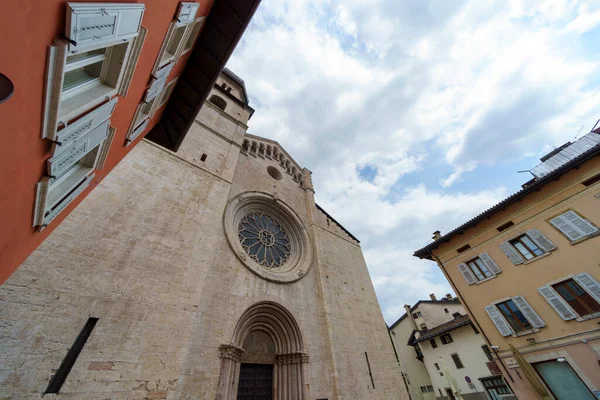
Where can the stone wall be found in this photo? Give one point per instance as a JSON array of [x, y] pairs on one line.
[[146, 253]]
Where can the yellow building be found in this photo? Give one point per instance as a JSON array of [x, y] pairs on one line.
[[527, 271]]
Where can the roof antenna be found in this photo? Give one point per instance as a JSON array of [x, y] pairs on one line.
[[579, 131]]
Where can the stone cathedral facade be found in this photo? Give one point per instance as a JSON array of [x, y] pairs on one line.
[[209, 273]]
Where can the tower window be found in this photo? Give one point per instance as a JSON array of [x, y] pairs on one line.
[[218, 101], [203, 158]]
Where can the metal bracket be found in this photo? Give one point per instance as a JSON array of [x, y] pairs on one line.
[[74, 43], [56, 142]]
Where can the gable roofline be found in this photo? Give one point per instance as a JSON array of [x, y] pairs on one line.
[[413, 308], [337, 223], [534, 186], [446, 327]]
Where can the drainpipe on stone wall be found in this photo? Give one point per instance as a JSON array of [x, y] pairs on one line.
[[471, 313]]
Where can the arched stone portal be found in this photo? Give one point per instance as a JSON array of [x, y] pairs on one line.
[[266, 334]]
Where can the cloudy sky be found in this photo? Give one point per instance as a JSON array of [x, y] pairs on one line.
[[415, 115]]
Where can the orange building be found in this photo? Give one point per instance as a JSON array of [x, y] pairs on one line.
[[527, 271], [90, 80]]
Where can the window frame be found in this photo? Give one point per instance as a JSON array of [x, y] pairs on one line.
[[514, 316], [457, 361], [577, 297], [478, 268], [573, 314], [433, 343], [519, 240], [446, 338]]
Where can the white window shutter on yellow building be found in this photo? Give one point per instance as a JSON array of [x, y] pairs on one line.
[[467, 274], [591, 285], [534, 319], [490, 263], [573, 226], [542, 241], [511, 253], [560, 306], [499, 321]]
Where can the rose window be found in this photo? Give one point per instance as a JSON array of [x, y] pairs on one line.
[[264, 240]]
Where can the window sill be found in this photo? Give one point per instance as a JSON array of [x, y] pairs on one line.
[[583, 239], [83, 102], [525, 333], [485, 280], [537, 258], [589, 316]]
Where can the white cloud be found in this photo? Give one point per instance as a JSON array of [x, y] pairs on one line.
[[410, 88]]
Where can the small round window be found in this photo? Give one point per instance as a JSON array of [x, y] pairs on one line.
[[274, 172], [264, 240]]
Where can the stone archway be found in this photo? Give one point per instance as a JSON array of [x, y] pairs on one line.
[[266, 333]]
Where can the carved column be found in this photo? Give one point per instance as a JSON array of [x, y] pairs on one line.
[[231, 356], [291, 372]]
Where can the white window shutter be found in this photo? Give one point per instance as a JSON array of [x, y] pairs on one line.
[[57, 58], [565, 227], [103, 153], [186, 13], [94, 25], [534, 319], [467, 274], [59, 164], [511, 253], [132, 61], [542, 241], [76, 131], [490, 263], [56, 210], [560, 306], [582, 225], [498, 320], [590, 285]]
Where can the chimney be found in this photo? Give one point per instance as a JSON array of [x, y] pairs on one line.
[[448, 296], [409, 314], [432, 297], [436, 235]]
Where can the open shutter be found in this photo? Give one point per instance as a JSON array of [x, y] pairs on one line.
[[534, 319], [490, 263], [560, 306], [57, 58], [565, 227], [132, 61], [60, 164], [499, 321], [590, 285], [467, 274], [186, 13], [94, 25], [71, 134], [582, 225], [56, 210], [511, 253], [542, 241]]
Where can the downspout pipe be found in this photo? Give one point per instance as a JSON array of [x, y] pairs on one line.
[[433, 256]]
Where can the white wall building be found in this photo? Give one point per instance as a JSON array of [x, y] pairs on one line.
[[436, 332]]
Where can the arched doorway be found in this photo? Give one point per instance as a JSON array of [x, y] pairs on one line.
[[265, 359]]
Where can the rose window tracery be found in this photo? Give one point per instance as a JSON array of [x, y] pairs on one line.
[[264, 240]]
